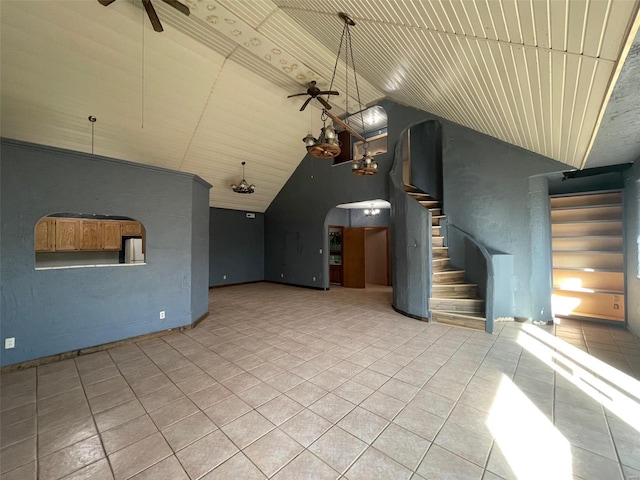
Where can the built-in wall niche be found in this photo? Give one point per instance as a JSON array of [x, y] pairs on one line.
[[72, 240]]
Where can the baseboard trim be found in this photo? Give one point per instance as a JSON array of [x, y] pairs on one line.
[[199, 320], [234, 284], [97, 348], [415, 317], [295, 285]]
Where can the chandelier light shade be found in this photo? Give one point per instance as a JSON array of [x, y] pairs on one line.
[[365, 165], [243, 186], [325, 146]]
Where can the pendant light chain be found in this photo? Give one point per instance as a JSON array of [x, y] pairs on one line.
[[335, 67], [92, 119], [355, 77]]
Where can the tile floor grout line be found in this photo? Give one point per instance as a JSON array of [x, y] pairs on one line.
[[401, 341], [431, 442]]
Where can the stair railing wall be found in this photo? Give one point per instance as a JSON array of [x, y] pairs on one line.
[[411, 244], [492, 271]]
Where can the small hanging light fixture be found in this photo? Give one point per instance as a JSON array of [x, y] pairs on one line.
[[365, 165], [92, 119], [243, 186], [371, 212]]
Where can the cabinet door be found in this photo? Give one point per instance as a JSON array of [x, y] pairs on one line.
[[67, 234], [45, 235], [112, 235], [91, 234], [131, 228]]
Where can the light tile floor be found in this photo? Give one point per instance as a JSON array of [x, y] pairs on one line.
[[288, 383]]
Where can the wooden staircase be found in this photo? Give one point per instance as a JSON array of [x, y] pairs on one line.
[[453, 301]]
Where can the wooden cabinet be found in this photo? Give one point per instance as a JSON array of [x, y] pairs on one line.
[[90, 235], [131, 228], [112, 235], [61, 234], [67, 234], [45, 235]]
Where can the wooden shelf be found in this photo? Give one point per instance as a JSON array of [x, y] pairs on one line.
[[589, 290], [588, 259]]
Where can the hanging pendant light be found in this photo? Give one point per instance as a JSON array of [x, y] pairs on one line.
[[327, 144], [243, 186], [365, 165]]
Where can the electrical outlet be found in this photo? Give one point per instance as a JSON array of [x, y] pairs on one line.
[[162, 314], [10, 342], [282, 275], [314, 278], [224, 277], [320, 251]]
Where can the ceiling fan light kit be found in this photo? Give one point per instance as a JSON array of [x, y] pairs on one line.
[[327, 144], [243, 186]]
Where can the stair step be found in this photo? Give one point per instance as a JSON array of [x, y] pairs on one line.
[[411, 189], [436, 212], [440, 252], [440, 264], [437, 241], [458, 319], [472, 306], [429, 203], [435, 219], [448, 276], [454, 290], [435, 230]]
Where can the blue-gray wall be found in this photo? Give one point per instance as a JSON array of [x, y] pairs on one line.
[[632, 235], [486, 185], [236, 247], [54, 311], [295, 228]]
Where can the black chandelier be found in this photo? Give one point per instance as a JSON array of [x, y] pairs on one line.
[[243, 186]]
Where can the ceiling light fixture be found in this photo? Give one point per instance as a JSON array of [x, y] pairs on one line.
[[92, 119], [371, 212], [243, 186], [327, 144]]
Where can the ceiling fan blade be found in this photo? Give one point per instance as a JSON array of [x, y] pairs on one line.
[[329, 92], [181, 7], [296, 95], [324, 103], [106, 3], [153, 16], [304, 105]]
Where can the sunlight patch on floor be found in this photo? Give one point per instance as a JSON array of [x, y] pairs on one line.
[[531, 444], [613, 389]]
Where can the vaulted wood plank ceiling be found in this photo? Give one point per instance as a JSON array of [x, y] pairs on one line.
[[210, 91]]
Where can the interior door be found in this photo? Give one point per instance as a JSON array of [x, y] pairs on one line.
[[353, 259]]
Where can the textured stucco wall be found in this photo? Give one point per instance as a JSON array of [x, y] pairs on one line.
[[486, 185], [236, 247], [54, 311], [632, 247]]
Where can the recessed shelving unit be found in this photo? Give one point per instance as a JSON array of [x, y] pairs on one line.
[[588, 255]]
